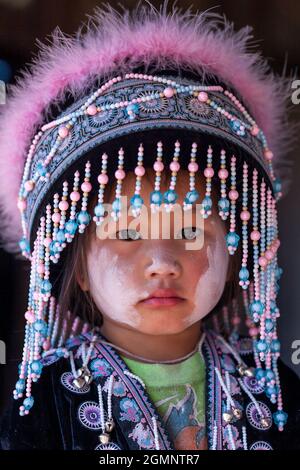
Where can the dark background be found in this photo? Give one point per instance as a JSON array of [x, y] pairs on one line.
[[276, 26]]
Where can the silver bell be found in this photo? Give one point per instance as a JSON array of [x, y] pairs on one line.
[[265, 422], [109, 425], [104, 438], [237, 413], [227, 416], [79, 382]]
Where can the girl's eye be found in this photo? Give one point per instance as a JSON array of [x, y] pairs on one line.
[[128, 235], [190, 233]]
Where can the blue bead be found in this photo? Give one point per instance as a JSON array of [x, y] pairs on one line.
[[232, 239], [53, 248], [134, 108], [271, 391], [41, 169], [28, 403], [156, 197], [46, 286], [259, 373], [71, 226], [207, 203], [235, 126], [20, 385], [83, 217], [99, 210], [269, 375], [275, 345], [269, 325], [244, 274], [116, 205], [256, 307], [24, 244], [191, 196], [36, 367], [224, 204], [280, 417], [137, 201], [277, 185], [60, 236], [261, 346], [170, 196], [40, 326]]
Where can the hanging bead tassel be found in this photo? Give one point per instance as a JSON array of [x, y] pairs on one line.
[[156, 196], [192, 196], [99, 209], [245, 216], [63, 207], [72, 224], [119, 175], [83, 218], [232, 238], [223, 203], [208, 173], [170, 196], [137, 201]]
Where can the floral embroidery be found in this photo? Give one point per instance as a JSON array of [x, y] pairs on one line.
[[130, 410], [143, 436], [100, 367]]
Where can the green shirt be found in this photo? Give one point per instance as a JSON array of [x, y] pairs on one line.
[[178, 393]]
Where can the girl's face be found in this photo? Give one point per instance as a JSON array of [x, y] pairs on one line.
[[123, 273]]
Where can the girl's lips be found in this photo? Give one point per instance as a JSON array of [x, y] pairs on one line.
[[162, 301]]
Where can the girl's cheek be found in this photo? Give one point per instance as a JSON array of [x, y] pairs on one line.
[[108, 275], [211, 283]]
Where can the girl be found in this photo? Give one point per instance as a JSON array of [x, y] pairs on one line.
[[156, 327]]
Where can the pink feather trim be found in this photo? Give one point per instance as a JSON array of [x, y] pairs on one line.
[[114, 42]]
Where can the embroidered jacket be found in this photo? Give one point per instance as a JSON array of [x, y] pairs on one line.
[[65, 417]]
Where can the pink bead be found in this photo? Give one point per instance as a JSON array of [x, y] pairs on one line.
[[174, 166], [86, 187], [193, 166], [29, 316], [253, 331], [56, 217], [268, 154], [63, 205], [120, 174], [75, 196], [47, 241], [41, 268], [223, 174], [91, 110], [36, 295], [273, 248], [22, 204], [158, 166], [168, 92], [269, 255], [262, 261], [29, 185], [46, 345], [103, 178], [233, 195], [203, 96], [254, 130], [236, 321], [209, 172], [245, 215], [139, 170], [63, 132], [255, 235]]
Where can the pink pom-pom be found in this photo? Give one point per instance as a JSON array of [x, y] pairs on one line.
[[86, 187], [245, 215], [22, 204], [174, 166], [269, 255], [63, 205], [169, 92], [56, 217], [75, 196], [209, 172], [158, 166], [193, 166], [29, 316], [139, 171], [255, 235], [29, 185], [203, 96], [223, 174], [63, 132], [103, 178], [91, 110], [233, 195], [120, 174], [262, 261]]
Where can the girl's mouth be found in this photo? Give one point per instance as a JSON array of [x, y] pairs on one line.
[[163, 298]]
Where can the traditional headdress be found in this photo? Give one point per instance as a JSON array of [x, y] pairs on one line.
[[112, 99]]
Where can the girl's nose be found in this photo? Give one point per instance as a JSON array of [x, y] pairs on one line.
[[164, 267]]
